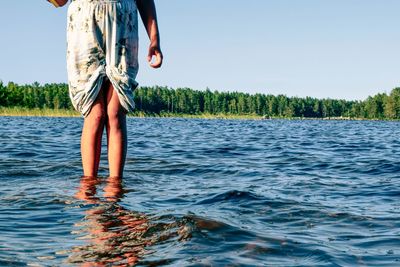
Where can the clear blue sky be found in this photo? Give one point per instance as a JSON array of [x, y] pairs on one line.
[[322, 48]]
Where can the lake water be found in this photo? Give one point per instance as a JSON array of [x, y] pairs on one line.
[[203, 193]]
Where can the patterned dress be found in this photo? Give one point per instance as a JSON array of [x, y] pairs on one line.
[[102, 41]]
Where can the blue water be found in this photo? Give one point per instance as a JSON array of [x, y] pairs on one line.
[[203, 193]]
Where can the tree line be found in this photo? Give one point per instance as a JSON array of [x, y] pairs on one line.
[[159, 100]]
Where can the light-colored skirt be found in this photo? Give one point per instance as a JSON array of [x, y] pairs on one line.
[[102, 41]]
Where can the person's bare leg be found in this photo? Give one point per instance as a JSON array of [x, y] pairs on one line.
[[92, 132], [116, 133]]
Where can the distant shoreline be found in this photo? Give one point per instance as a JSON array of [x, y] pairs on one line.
[[161, 101], [47, 112]]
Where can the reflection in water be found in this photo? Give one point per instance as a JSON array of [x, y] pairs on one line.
[[114, 235]]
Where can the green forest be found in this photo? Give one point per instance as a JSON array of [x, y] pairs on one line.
[[163, 100]]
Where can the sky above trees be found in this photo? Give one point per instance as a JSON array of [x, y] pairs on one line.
[[340, 49]]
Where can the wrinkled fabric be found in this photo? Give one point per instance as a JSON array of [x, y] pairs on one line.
[[102, 42]]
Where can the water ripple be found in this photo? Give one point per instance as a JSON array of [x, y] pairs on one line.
[[203, 193]]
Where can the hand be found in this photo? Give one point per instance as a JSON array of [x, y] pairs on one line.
[[155, 51], [58, 3]]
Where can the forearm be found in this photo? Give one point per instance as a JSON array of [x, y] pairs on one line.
[[147, 10]]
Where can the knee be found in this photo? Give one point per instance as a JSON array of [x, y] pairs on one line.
[[96, 118], [116, 120]]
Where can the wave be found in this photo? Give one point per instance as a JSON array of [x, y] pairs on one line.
[[230, 196]]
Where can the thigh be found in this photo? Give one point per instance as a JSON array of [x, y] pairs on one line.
[[114, 107], [99, 107]]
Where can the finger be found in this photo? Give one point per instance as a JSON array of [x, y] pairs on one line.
[[149, 57], [150, 54], [158, 61]]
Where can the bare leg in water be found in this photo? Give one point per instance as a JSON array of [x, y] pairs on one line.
[[92, 132], [106, 111], [116, 133]]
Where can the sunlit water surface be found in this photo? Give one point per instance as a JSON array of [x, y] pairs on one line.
[[203, 193]]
